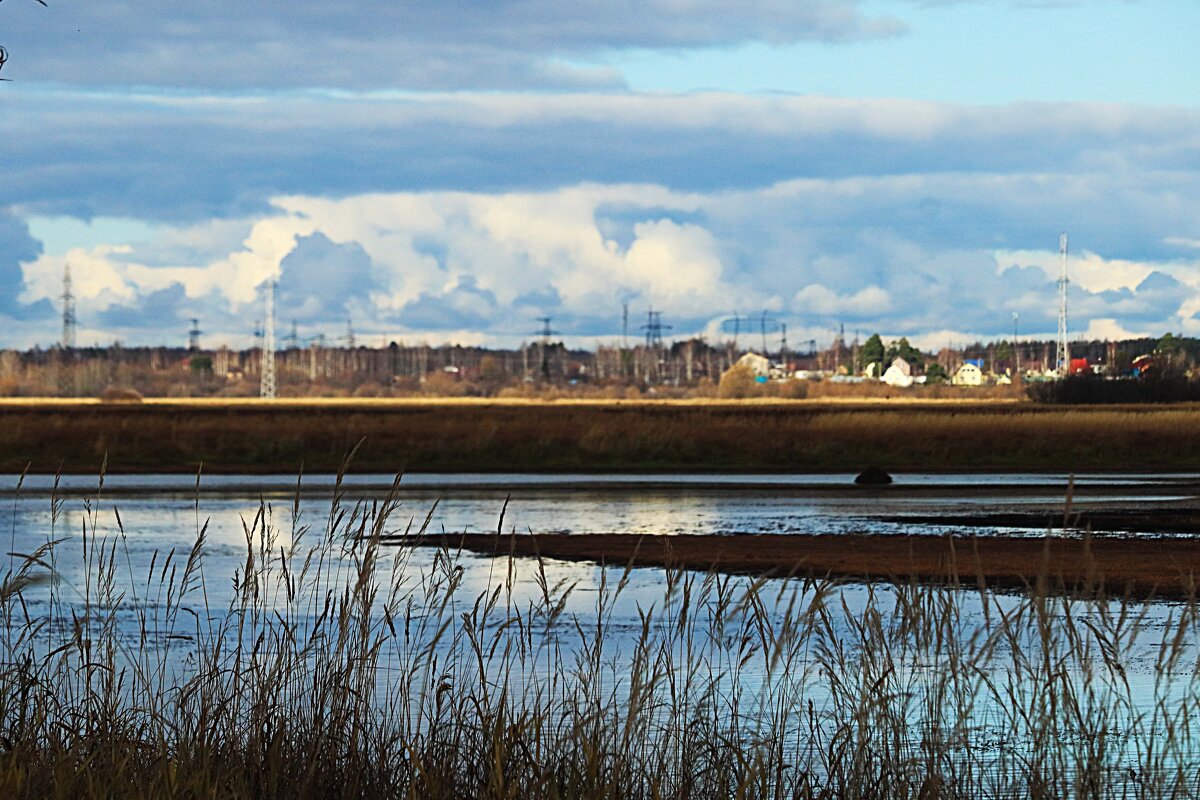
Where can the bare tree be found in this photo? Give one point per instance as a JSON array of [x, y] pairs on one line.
[[4, 53]]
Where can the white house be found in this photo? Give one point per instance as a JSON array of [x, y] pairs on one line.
[[967, 375], [759, 365], [898, 374]]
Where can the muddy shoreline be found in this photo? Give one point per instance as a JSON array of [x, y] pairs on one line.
[[1165, 521], [1141, 568]]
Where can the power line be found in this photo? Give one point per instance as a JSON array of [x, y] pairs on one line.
[[763, 319], [737, 320]]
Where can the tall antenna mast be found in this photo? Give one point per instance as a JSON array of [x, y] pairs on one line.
[[625, 326], [266, 388], [1062, 360], [68, 311], [1015, 346]]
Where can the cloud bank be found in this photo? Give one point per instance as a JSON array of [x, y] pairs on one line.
[[434, 265], [427, 44]]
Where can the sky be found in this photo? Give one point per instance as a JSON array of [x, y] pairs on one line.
[[453, 170]]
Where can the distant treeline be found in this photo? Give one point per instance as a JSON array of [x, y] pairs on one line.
[[1096, 390]]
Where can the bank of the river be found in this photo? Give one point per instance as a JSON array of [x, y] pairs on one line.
[[629, 436], [1138, 568]]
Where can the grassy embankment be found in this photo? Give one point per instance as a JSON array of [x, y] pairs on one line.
[[340, 671], [701, 436]]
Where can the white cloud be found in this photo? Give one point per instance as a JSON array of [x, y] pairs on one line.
[[96, 276], [1086, 270], [818, 299], [1109, 330], [426, 263]]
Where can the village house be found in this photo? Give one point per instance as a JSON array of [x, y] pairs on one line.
[[759, 365], [898, 374], [969, 374]]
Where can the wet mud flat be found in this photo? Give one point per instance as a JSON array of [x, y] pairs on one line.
[[1144, 518], [1161, 568]]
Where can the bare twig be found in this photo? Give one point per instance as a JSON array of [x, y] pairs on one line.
[[3, 52]]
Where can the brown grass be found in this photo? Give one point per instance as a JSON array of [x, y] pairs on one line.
[[595, 436]]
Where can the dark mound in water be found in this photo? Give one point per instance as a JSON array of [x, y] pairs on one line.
[[873, 476]]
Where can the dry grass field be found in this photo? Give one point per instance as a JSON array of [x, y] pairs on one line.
[[522, 435]]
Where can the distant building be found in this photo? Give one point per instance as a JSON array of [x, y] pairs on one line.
[[969, 374], [1079, 366], [759, 365], [899, 374]]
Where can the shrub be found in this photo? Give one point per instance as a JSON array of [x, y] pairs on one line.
[[737, 382], [790, 389], [120, 394]]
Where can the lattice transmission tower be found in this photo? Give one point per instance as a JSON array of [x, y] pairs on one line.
[[68, 311], [654, 329], [194, 336], [545, 332], [266, 389]]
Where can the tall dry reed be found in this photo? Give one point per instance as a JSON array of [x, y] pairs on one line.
[[342, 667]]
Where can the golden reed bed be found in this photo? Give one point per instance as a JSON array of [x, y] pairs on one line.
[[488, 435]]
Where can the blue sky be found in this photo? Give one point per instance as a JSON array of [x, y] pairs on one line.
[[1114, 51], [450, 171]]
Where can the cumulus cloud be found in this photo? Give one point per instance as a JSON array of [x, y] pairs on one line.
[[1110, 329], [868, 302], [320, 280], [16, 245], [486, 210], [1087, 269], [435, 264]]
